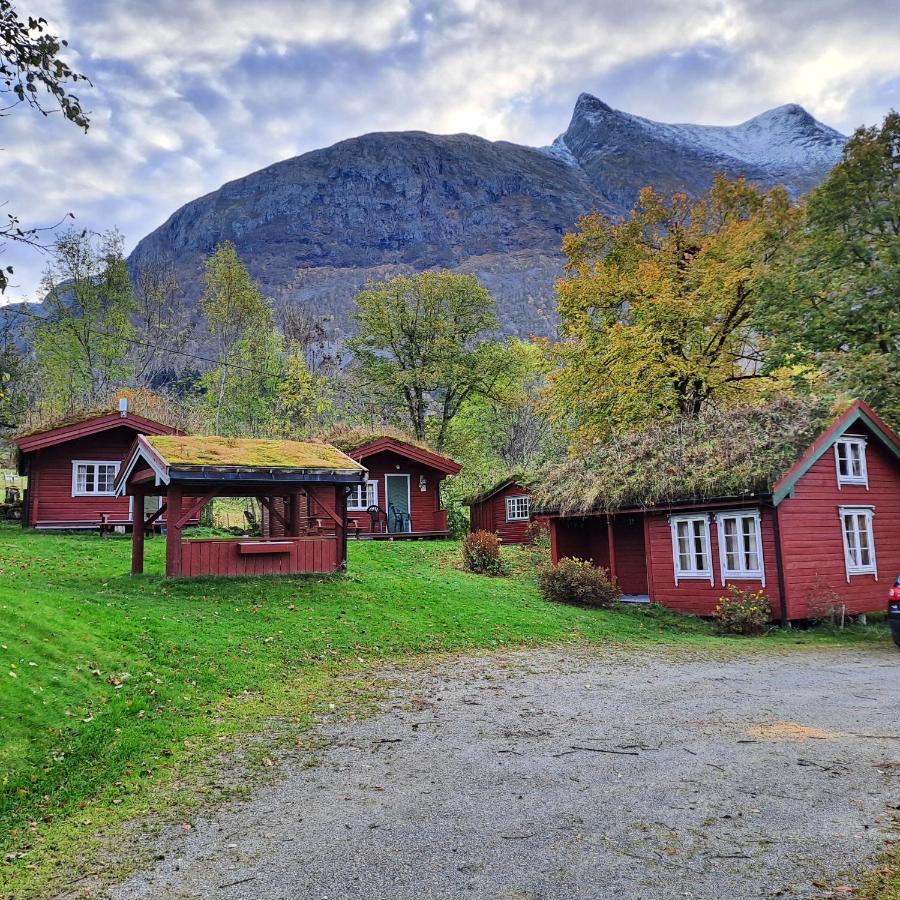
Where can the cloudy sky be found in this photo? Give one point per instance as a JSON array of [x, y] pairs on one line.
[[188, 94]]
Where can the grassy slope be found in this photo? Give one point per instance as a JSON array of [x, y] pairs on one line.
[[107, 681]]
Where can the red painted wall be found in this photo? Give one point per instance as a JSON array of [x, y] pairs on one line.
[[50, 497], [693, 595], [490, 515], [223, 557], [812, 541]]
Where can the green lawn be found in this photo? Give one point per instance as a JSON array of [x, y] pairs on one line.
[[112, 687]]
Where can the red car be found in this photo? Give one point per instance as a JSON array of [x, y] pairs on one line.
[[894, 610]]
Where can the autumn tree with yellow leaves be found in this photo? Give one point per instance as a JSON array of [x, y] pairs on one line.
[[655, 311]]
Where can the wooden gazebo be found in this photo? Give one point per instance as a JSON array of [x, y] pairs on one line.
[[310, 481]]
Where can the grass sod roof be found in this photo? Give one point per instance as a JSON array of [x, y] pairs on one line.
[[349, 437], [495, 484], [724, 453], [225, 452]]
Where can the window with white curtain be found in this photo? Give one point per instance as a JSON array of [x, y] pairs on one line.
[[740, 545], [361, 497], [850, 461], [859, 540], [690, 547], [91, 478]]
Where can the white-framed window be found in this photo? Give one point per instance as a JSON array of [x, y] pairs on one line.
[[740, 545], [518, 509], [93, 478], [859, 540], [690, 547], [850, 461], [360, 499]]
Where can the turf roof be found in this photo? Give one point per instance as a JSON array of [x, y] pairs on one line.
[[181, 450], [349, 438], [724, 453]]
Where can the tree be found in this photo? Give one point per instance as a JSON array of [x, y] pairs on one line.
[[33, 74], [162, 323], [17, 384], [656, 310], [82, 341], [507, 429], [421, 347], [235, 312], [834, 299]]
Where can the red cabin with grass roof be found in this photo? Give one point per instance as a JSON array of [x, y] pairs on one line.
[[71, 467], [401, 498], [505, 509], [801, 507]]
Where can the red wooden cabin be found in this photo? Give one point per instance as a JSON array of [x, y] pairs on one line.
[[504, 509], [403, 491], [71, 468], [823, 533], [404, 482], [188, 472]]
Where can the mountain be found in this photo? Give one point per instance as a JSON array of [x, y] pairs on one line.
[[313, 229]]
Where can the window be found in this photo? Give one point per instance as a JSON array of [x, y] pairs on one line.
[[518, 509], [859, 541], [690, 547], [358, 499], [740, 546], [90, 478], [850, 460]]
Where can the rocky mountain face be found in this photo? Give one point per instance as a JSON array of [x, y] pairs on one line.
[[313, 229]]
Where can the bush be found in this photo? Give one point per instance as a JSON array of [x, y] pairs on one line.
[[481, 553], [743, 612], [537, 534], [577, 581]]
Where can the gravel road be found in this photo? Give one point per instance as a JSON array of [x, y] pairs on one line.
[[572, 774]]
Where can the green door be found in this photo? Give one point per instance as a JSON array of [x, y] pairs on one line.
[[398, 512]]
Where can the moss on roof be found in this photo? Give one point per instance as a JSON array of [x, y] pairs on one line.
[[349, 438], [724, 453], [518, 476], [179, 450]]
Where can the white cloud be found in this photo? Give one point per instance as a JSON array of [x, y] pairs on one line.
[[191, 93]]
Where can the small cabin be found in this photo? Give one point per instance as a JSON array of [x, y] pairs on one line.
[[72, 466], [504, 509], [289, 478], [799, 505], [402, 494]]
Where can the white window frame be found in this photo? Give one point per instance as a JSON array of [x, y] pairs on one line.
[[868, 514], [851, 441], [95, 463], [514, 502], [371, 493], [705, 574], [742, 573]]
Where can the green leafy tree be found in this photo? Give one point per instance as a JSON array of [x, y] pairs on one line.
[[303, 402], [422, 349], [238, 318], [17, 381], [33, 74], [82, 342], [834, 299], [656, 311]]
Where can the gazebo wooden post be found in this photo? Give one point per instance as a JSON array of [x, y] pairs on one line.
[[137, 532], [612, 548], [173, 532], [294, 514]]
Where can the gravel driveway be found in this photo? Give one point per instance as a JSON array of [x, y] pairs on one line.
[[569, 774]]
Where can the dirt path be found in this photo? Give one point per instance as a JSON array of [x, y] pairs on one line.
[[573, 774]]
